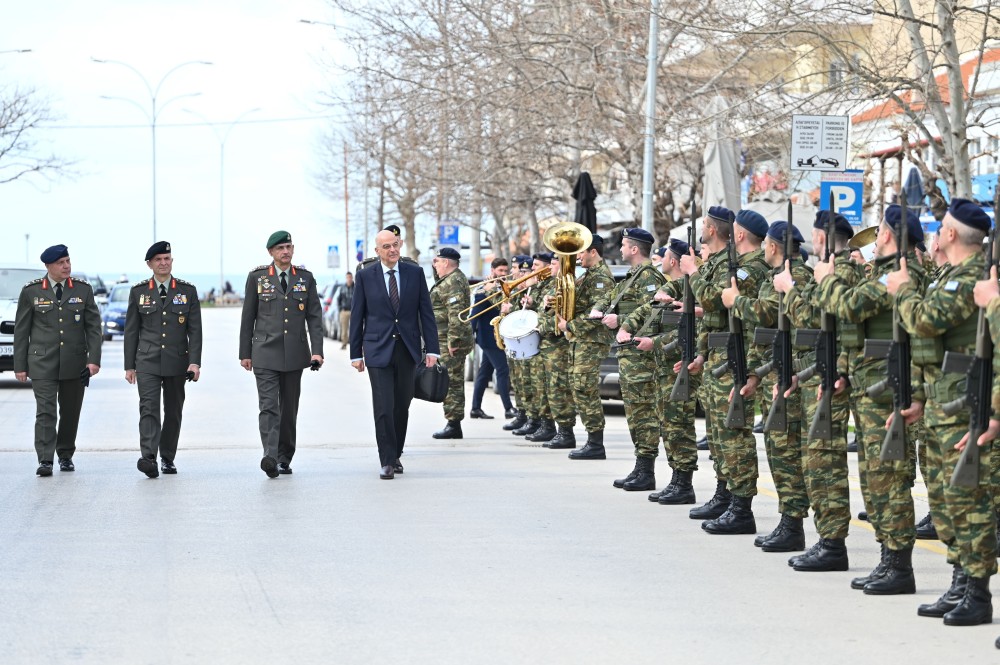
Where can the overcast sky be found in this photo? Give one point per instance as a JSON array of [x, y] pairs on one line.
[[262, 56]]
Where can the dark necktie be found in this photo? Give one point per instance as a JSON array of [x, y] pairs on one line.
[[284, 283], [163, 293], [393, 291], [58, 291]]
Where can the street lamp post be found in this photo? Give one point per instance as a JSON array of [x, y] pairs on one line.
[[222, 136], [153, 114]]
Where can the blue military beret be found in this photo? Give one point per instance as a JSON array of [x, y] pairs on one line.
[[893, 215], [162, 247], [970, 214], [679, 247], [278, 238], [545, 257], [54, 253], [521, 261], [721, 214], [777, 232], [449, 253], [753, 222], [395, 229], [638, 235], [660, 251], [841, 226], [596, 242]]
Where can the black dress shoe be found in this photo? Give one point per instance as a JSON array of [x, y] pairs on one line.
[[284, 469], [269, 465], [479, 413], [148, 467], [168, 468], [397, 466], [510, 413], [387, 473], [702, 443], [66, 465], [44, 469]]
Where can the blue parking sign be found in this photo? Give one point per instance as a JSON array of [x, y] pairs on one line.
[[848, 194], [447, 234]]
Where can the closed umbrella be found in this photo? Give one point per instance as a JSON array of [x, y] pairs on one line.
[[913, 190], [584, 193]]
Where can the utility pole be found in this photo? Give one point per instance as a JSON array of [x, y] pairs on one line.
[[347, 208], [647, 161]]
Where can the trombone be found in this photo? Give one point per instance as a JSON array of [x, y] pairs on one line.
[[507, 288]]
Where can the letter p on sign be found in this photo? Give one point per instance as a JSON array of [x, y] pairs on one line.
[[843, 197]]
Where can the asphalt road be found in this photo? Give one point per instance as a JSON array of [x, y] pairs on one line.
[[487, 550]]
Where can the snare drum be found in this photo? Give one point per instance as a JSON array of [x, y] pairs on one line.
[[519, 331]]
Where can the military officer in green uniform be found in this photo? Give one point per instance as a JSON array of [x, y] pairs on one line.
[[162, 352], [57, 344], [281, 333], [449, 296]]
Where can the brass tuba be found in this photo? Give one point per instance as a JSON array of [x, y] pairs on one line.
[[566, 240]]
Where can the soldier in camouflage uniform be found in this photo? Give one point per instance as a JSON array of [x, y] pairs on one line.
[[885, 486], [539, 413], [519, 267], [449, 296], [556, 355], [964, 517], [730, 510], [589, 346], [637, 369], [783, 448]]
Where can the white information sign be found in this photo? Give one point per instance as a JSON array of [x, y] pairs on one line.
[[819, 142]]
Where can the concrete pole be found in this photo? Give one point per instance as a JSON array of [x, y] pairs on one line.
[[647, 161]]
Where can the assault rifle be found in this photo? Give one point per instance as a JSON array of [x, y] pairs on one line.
[[658, 308], [736, 352], [681, 391], [897, 355]]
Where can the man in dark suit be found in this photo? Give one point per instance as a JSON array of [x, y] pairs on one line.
[[162, 349], [391, 309], [282, 324]]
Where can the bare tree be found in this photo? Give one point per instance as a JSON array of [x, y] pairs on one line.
[[22, 113]]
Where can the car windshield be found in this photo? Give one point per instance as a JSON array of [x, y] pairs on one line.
[[119, 293], [13, 279]]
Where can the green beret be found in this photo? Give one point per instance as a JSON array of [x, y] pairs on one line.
[[278, 237]]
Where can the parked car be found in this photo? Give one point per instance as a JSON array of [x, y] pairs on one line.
[[113, 316], [12, 278], [98, 285], [331, 315]]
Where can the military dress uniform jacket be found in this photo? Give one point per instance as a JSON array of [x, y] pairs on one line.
[[56, 340], [163, 338], [281, 330]]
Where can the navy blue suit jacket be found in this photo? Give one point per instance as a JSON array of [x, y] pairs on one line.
[[373, 323]]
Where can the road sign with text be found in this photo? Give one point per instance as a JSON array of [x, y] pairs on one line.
[[819, 142]]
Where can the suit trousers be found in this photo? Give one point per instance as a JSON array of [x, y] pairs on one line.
[[392, 392], [492, 359], [50, 438], [154, 439], [278, 396]]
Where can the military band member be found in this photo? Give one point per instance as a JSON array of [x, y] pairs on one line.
[[281, 333], [541, 304], [162, 351], [519, 385], [449, 297], [554, 347], [538, 406], [57, 344]]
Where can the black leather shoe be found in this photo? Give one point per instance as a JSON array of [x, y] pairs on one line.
[[593, 449], [976, 606], [831, 556], [717, 505], [702, 443], [510, 413], [479, 413], [898, 576], [645, 478], [949, 599], [44, 469], [167, 467], [269, 465], [925, 529], [148, 467], [519, 421], [863, 515], [387, 473], [788, 537], [738, 519], [66, 465], [453, 430], [397, 466], [284, 469], [563, 440]]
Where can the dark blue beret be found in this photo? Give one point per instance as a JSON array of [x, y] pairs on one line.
[[721, 214], [970, 214], [545, 257], [777, 232], [841, 226], [596, 242], [278, 238], [54, 253], [660, 251], [395, 229], [638, 235], [522, 261], [914, 230], [162, 247], [679, 247], [449, 253], [753, 222]]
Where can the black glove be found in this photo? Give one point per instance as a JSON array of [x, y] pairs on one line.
[[85, 377], [189, 376], [314, 366]]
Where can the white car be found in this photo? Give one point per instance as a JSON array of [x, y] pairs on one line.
[[13, 277]]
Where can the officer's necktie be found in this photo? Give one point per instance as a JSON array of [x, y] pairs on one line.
[[393, 291], [163, 293], [284, 282], [58, 291]]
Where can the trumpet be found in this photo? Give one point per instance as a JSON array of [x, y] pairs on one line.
[[507, 288], [479, 287]]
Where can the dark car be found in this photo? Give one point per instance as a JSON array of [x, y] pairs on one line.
[[830, 161], [97, 284], [113, 314]]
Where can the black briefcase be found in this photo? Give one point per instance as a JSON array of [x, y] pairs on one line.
[[430, 383]]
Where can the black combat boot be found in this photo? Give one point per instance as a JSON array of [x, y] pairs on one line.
[[791, 538], [518, 421], [545, 432], [925, 529], [529, 426], [645, 478], [738, 518], [563, 440], [877, 572], [898, 577], [809, 552], [949, 599], [655, 496], [683, 492], [715, 506], [831, 555], [593, 449], [453, 430], [620, 483], [976, 606]]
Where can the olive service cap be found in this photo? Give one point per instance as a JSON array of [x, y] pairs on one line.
[[278, 238], [54, 253], [162, 247]]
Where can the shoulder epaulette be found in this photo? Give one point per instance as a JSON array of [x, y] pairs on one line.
[[141, 282], [183, 281], [303, 268], [81, 281], [263, 267], [34, 281], [408, 260], [367, 262]]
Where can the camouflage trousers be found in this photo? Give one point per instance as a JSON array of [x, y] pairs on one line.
[[516, 382], [784, 454], [531, 369], [738, 446], [824, 464], [557, 357], [677, 421], [454, 401], [637, 372], [541, 385], [964, 517], [885, 486], [585, 378]]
